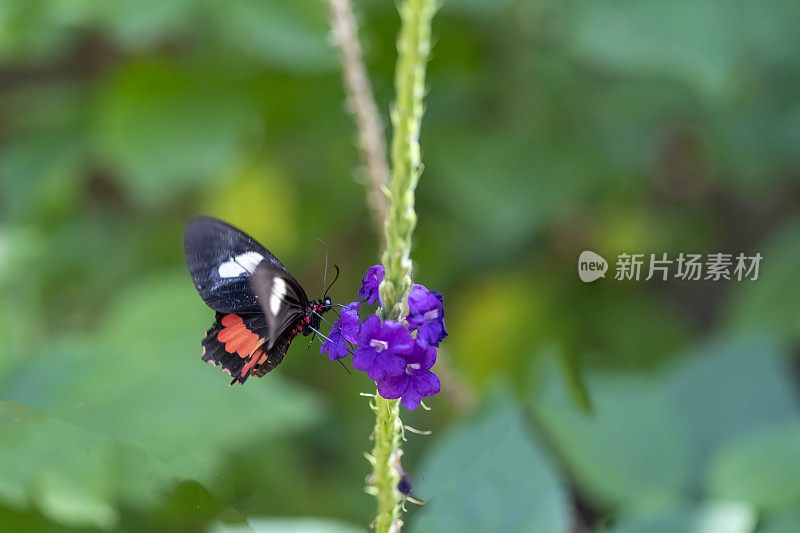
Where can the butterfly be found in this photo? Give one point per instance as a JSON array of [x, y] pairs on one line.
[[260, 308]]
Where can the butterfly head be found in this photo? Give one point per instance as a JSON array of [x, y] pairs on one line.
[[314, 314], [325, 305]]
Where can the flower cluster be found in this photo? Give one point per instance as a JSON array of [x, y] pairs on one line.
[[397, 356]]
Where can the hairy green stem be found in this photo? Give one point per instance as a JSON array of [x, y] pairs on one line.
[[385, 455], [413, 47]]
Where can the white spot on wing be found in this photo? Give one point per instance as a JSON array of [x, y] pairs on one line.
[[242, 263], [278, 292]]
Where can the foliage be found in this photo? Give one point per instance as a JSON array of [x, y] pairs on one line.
[[550, 128], [492, 474]]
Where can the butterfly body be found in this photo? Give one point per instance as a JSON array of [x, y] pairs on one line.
[[260, 308]]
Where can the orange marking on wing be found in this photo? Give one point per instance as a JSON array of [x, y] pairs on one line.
[[251, 363], [236, 342], [249, 345], [231, 332], [237, 338], [230, 320], [263, 359]]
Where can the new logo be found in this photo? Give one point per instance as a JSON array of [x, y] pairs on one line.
[[591, 266]]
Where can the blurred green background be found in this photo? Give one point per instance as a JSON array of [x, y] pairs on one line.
[[551, 128]]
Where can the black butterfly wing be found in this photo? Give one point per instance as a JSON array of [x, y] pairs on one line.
[[221, 259], [282, 299], [237, 343], [274, 357]]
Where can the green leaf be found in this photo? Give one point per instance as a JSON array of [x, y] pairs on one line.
[[650, 441], [289, 525], [477, 8], [762, 468], [290, 35], [632, 452], [136, 24], [72, 475], [782, 522], [42, 163], [693, 41], [768, 304], [164, 128], [38, 30], [712, 518], [491, 474], [495, 220], [141, 382], [727, 389]]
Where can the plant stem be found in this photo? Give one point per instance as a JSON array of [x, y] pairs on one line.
[[413, 47], [384, 465]]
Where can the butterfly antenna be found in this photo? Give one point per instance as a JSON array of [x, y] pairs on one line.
[[332, 282], [324, 272], [345, 367]]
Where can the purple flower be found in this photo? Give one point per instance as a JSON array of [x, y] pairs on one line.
[[349, 321], [369, 285], [335, 345], [417, 381], [343, 330], [426, 314], [381, 347]]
